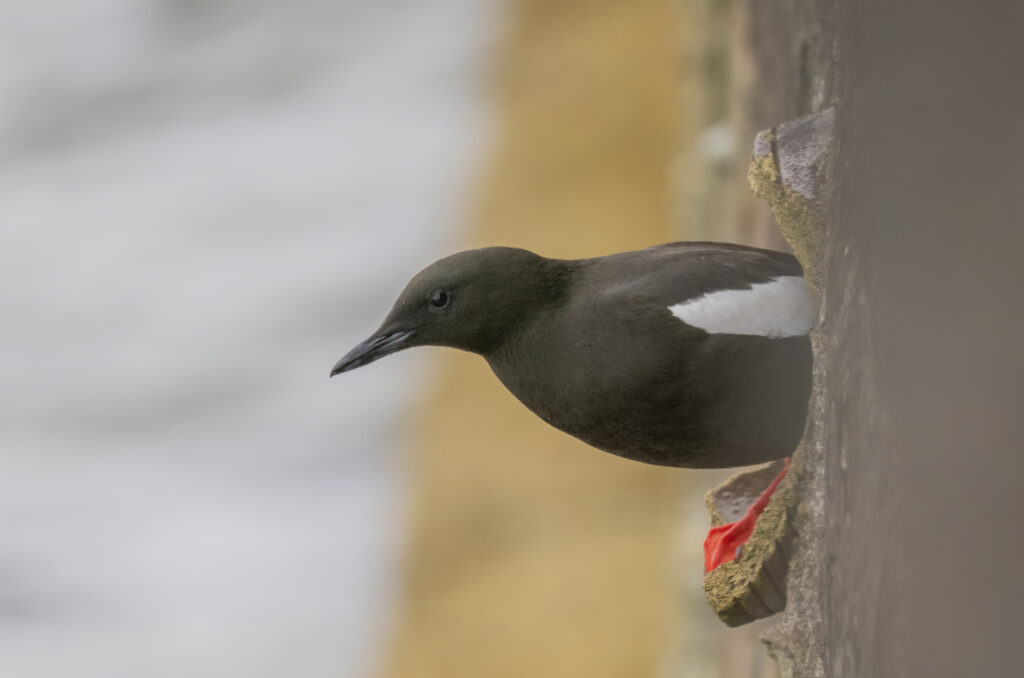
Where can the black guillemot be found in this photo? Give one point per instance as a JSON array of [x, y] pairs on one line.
[[690, 354]]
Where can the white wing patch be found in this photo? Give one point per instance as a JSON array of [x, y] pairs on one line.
[[780, 308]]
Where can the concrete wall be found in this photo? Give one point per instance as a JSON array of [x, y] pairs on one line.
[[919, 368], [925, 321]]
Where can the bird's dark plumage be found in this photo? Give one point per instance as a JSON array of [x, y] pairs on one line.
[[684, 354]]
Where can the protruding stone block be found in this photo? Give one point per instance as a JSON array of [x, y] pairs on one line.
[[753, 585], [791, 170]]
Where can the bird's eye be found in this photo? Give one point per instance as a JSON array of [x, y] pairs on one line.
[[439, 299]]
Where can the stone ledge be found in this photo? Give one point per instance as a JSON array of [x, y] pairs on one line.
[[791, 169]]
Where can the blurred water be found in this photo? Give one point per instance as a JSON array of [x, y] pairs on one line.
[[203, 204]]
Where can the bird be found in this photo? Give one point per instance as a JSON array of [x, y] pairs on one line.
[[684, 354]]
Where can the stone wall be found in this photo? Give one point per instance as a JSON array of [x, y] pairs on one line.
[[912, 569], [925, 323]]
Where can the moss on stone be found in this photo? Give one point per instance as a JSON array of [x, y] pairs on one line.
[[799, 219], [753, 585]]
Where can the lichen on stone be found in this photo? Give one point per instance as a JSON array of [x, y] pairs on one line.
[[753, 585], [799, 218]]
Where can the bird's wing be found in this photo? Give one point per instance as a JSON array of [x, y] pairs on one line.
[[722, 288]]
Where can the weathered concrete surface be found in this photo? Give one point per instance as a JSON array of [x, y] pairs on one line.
[[923, 329]]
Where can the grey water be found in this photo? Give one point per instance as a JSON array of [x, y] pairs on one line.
[[203, 204]]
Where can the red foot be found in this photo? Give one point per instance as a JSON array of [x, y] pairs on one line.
[[723, 542]]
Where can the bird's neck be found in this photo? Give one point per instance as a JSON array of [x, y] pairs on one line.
[[530, 299]]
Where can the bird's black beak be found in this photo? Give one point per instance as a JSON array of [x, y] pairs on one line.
[[374, 348]]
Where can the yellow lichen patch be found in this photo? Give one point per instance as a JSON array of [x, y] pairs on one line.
[[530, 553]]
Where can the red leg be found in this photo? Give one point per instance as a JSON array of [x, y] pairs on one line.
[[723, 542]]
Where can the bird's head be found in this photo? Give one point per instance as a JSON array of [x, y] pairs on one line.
[[472, 300]]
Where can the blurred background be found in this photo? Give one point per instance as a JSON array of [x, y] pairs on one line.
[[203, 204]]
